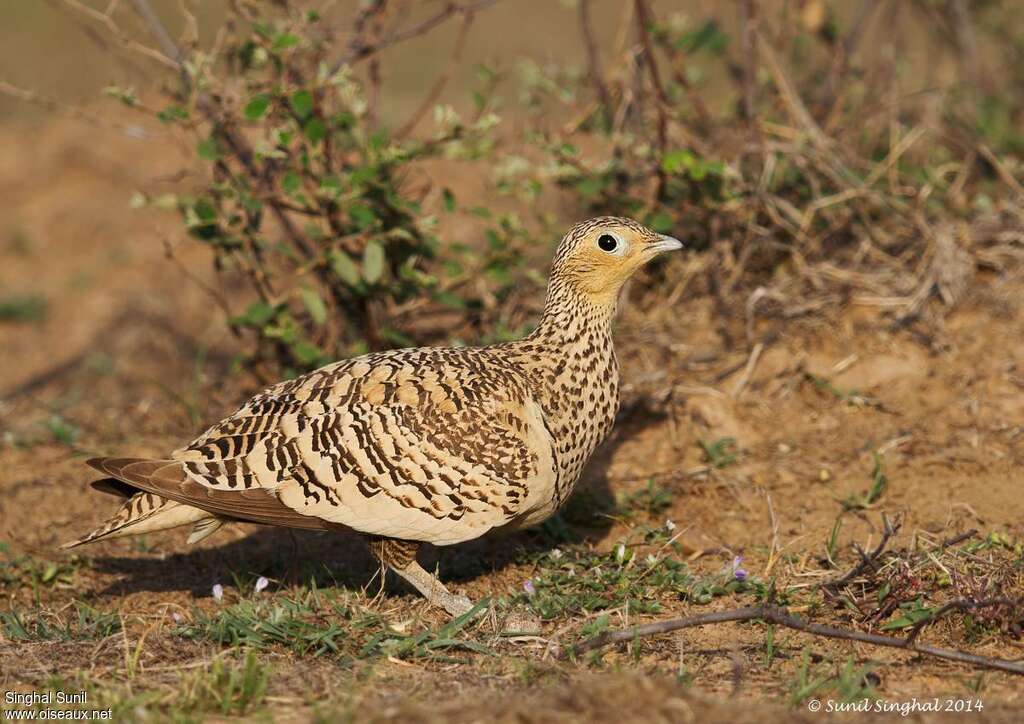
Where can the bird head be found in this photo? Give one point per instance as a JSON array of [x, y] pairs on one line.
[[597, 256]]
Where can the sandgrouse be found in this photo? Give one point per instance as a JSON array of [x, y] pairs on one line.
[[437, 445]]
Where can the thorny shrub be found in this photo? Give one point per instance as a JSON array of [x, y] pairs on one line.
[[310, 200], [797, 165]]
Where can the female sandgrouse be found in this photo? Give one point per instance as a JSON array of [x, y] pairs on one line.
[[437, 445]]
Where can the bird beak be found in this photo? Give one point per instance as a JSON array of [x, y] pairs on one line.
[[665, 243]]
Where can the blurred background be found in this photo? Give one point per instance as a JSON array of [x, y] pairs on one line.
[[771, 135]]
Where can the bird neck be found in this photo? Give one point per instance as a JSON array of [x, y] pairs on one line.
[[572, 317], [570, 364], [571, 357]]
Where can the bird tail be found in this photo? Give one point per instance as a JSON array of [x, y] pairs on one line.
[[143, 512]]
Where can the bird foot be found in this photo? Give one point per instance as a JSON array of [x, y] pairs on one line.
[[454, 604], [433, 590]]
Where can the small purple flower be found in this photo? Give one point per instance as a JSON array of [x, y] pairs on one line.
[[218, 592], [177, 617], [261, 583], [740, 574], [529, 587]]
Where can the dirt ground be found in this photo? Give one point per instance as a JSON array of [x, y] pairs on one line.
[[132, 359]]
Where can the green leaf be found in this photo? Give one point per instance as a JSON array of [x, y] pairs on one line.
[[363, 175], [879, 481], [62, 431], [302, 103], [449, 200], [290, 182], [661, 222], [707, 37], [315, 130], [284, 41], [590, 186], [362, 216], [493, 240], [257, 315], [257, 107], [330, 186], [28, 308], [373, 262], [345, 268], [125, 95], [208, 149], [172, 113], [315, 306], [343, 121], [307, 353], [396, 337], [205, 210], [450, 299], [677, 161]]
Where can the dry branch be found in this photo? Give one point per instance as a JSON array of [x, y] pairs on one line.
[[867, 560], [780, 616], [435, 92], [365, 50], [748, 46], [594, 69], [643, 22]]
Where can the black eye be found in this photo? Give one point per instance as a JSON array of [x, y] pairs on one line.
[[607, 242]]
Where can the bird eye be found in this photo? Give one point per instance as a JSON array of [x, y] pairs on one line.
[[607, 242]]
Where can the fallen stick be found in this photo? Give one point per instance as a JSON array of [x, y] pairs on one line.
[[780, 616]]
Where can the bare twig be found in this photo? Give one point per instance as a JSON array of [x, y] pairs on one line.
[[966, 42], [364, 50], [792, 99], [163, 38], [363, 17], [1004, 173], [373, 93], [867, 560], [53, 104], [679, 75], [958, 605], [748, 370], [643, 22], [443, 79], [215, 294], [780, 616], [957, 539], [113, 28], [234, 141], [594, 69], [748, 48], [845, 51]]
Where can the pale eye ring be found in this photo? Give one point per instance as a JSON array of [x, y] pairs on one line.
[[610, 244]]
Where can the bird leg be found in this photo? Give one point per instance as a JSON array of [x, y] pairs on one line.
[[400, 557]]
